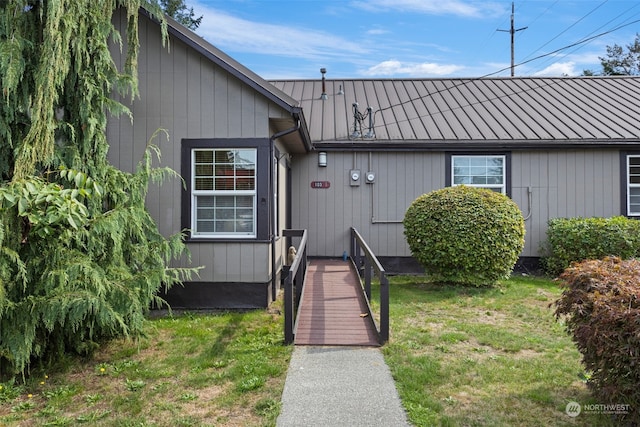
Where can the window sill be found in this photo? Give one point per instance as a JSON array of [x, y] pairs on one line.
[[224, 240]]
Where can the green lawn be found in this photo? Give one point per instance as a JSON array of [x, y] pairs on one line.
[[193, 370], [484, 357], [460, 357]]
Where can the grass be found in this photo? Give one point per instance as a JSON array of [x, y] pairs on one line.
[[460, 357], [191, 370], [484, 357]]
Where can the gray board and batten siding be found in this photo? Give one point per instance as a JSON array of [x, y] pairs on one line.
[[564, 183], [562, 138], [195, 92]]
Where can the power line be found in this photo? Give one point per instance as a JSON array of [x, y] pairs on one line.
[[568, 28], [540, 67], [465, 82], [580, 42], [543, 13]]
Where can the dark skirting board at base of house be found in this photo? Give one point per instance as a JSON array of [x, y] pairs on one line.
[[408, 265], [211, 295], [239, 296]]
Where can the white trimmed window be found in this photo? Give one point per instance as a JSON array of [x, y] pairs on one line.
[[223, 192], [486, 171], [633, 185]]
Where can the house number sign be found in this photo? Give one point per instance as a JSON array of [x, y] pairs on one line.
[[320, 184]]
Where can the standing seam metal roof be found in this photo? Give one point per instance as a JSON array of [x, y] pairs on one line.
[[530, 110]]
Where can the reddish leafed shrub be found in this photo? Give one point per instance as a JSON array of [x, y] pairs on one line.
[[601, 308]]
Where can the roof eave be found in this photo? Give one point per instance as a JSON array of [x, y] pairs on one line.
[[304, 130], [456, 145]]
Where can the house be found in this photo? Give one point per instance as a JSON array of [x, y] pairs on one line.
[[559, 147], [325, 155], [231, 137]]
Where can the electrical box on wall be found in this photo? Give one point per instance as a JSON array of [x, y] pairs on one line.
[[371, 177], [354, 177]]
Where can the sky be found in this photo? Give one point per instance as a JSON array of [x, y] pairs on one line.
[[281, 39]]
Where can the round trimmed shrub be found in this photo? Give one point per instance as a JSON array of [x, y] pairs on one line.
[[465, 234]]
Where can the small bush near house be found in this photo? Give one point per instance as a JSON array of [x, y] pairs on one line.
[[465, 235], [600, 305], [579, 239]]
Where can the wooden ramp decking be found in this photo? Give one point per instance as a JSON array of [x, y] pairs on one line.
[[332, 310]]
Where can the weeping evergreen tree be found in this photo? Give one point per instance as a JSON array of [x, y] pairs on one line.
[[81, 260]]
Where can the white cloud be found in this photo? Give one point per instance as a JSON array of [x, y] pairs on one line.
[[559, 69], [424, 69], [377, 32], [229, 32], [571, 65], [435, 7]]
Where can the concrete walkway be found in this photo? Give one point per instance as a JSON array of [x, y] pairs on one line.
[[340, 386]]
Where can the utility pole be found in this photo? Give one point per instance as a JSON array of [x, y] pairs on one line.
[[513, 32]]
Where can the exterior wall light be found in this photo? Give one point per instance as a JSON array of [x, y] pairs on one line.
[[322, 159]]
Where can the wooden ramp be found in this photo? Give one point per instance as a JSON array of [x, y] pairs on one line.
[[333, 307]]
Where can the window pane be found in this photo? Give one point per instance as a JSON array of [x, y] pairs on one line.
[[634, 170], [225, 202], [246, 157], [244, 226], [461, 170], [205, 202], [225, 214], [224, 156], [480, 171], [477, 170], [204, 169], [225, 227], [494, 162], [457, 180], [462, 161], [225, 184], [494, 171], [245, 201], [204, 184], [206, 214], [634, 200], [218, 176], [224, 170], [205, 226], [245, 184], [478, 161], [204, 156]]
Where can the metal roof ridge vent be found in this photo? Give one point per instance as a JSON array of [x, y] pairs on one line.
[[323, 96]]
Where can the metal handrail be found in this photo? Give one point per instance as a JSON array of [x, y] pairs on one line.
[[296, 277], [363, 257]]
